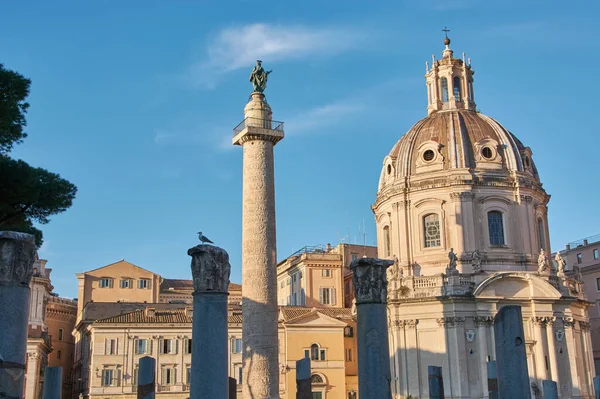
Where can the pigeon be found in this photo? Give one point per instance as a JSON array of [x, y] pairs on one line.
[[203, 238]]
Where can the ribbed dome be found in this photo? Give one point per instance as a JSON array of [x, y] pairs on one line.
[[457, 139]]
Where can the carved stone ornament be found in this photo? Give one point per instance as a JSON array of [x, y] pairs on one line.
[[568, 322], [210, 268], [17, 255], [560, 335], [369, 279], [451, 321], [470, 335], [483, 320]]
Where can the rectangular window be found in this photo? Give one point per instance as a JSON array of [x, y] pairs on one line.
[[168, 346], [579, 258], [168, 376], [110, 347], [144, 284], [126, 283], [106, 282], [188, 375], [58, 354], [598, 284], [348, 355], [354, 257], [238, 373], [188, 347], [326, 273], [347, 287], [326, 296], [60, 334], [307, 353], [135, 376], [141, 347], [236, 345], [108, 377], [595, 254], [322, 354]]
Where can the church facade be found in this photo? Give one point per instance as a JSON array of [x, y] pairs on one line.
[[461, 209]]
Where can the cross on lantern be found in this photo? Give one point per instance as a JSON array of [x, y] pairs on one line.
[[446, 30]]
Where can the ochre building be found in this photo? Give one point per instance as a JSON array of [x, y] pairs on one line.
[[461, 208], [153, 318]]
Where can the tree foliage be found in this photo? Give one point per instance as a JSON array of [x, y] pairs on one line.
[[27, 194], [14, 89]]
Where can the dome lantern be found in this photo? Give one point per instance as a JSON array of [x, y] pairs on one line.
[[449, 82]]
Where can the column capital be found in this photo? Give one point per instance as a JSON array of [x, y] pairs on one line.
[[17, 255], [584, 325], [483, 321], [369, 279], [541, 321], [411, 323], [568, 322], [451, 321], [210, 268]]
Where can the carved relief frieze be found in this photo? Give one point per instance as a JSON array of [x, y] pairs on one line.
[[462, 196]]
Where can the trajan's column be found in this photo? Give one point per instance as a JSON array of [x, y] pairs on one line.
[[257, 134]]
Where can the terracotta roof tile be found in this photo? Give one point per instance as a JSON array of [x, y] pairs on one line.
[[293, 312], [142, 316], [171, 284]]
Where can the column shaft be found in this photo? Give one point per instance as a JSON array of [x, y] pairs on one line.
[[259, 274], [17, 254], [540, 354], [552, 354], [209, 347], [373, 352]]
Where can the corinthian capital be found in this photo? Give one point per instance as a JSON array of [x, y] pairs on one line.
[[369, 279], [17, 254], [210, 268]]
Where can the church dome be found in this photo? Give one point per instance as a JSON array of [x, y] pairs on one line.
[[456, 139], [459, 182]]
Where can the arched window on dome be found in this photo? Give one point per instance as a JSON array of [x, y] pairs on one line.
[[456, 88], [387, 241], [431, 224], [444, 90], [541, 234], [496, 228]]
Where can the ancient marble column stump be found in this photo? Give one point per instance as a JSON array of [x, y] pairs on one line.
[[511, 356], [53, 383], [210, 271], [17, 254], [370, 291], [258, 134], [146, 384]]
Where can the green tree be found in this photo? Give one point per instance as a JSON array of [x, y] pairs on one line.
[[27, 194]]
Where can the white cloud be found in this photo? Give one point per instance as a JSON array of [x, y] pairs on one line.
[[321, 117], [239, 47]]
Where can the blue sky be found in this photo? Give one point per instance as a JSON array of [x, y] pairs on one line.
[[135, 102]]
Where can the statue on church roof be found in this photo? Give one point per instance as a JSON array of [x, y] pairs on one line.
[[560, 262], [542, 261], [259, 77], [452, 258]]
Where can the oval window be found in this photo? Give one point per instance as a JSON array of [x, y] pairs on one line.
[[428, 155], [389, 169], [487, 153]]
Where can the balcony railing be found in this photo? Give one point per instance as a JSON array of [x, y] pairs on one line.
[[259, 123], [186, 387]]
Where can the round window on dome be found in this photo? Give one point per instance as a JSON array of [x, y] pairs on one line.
[[428, 155], [487, 153], [389, 169]]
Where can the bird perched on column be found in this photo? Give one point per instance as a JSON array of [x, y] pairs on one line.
[[203, 238]]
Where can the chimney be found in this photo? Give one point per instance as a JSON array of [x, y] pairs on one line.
[[568, 247], [189, 311], [328, 247], [150, 311], [585, 242]]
